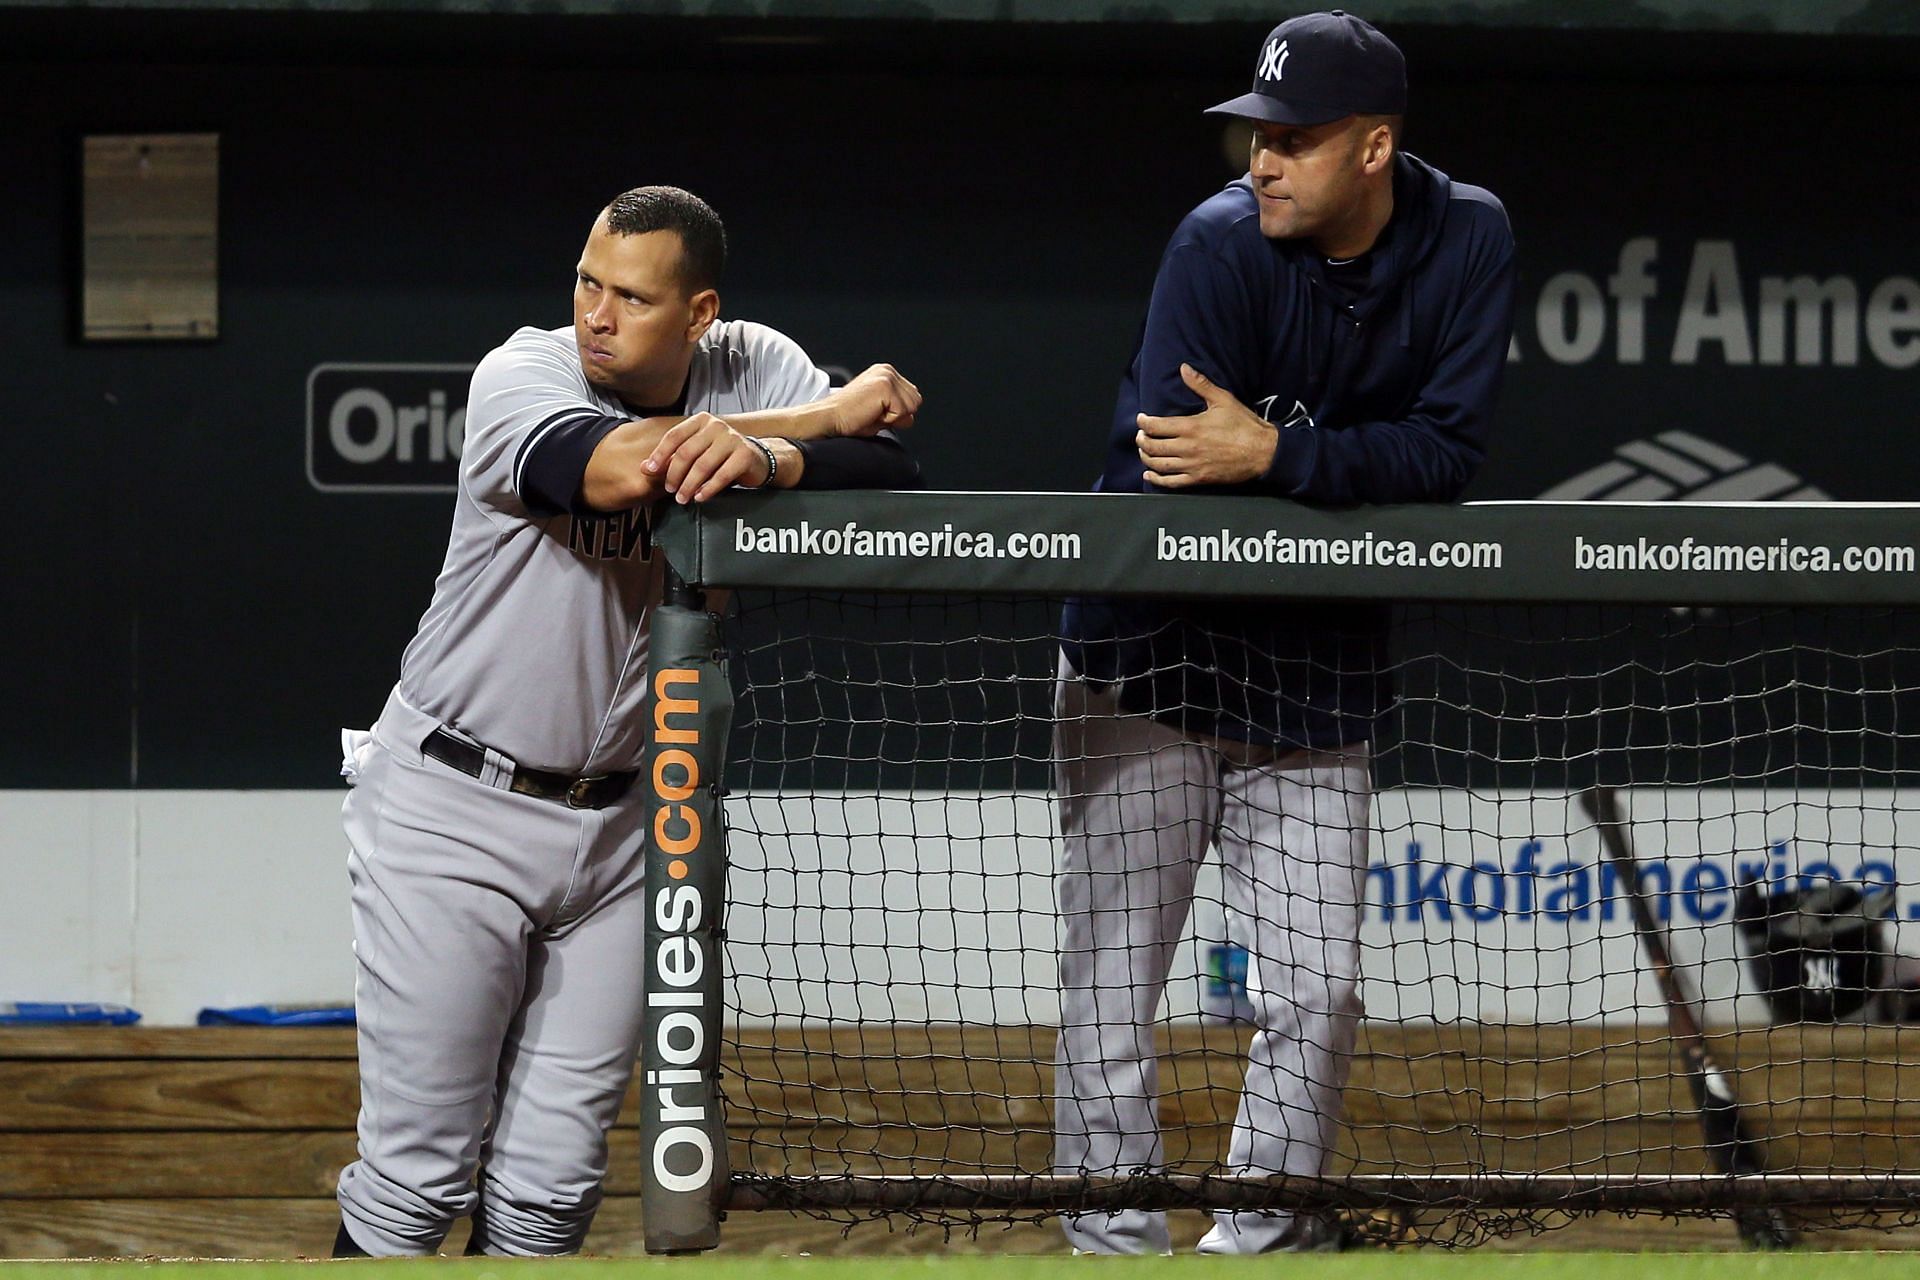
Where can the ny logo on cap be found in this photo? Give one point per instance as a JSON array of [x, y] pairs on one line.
[[1273, 60]]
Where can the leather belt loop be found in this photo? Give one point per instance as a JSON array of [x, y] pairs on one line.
[[586, 791]]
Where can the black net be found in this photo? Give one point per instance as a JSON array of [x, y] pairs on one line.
[[1427, 947]]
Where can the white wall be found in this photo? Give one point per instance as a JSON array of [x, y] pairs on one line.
[[903, 907], [169, 901]]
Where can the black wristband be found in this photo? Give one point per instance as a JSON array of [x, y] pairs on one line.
[[773, 464]]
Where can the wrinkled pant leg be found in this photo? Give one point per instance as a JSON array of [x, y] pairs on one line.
[[440, 944], [569, 1060], [1294, 843], [1137, 806]]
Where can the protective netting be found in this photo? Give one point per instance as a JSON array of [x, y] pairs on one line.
[[898, 914]]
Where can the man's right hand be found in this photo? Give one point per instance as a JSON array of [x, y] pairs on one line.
[[703, 456], [877, 399]]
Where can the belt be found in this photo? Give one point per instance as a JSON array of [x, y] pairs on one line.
[[590, 791]]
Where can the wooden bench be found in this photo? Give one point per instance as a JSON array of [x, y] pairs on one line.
[[225, 1142], [188, 1142]]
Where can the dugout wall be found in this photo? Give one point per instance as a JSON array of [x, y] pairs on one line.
[[371, 216]]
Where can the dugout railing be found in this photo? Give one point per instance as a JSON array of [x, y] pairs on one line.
[[1541, 649]]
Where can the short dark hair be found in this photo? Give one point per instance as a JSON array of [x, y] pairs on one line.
[[703, 240]]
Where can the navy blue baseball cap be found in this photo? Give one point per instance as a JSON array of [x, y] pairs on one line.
[[1322, 67]]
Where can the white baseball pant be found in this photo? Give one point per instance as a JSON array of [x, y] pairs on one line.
[[1140, 805]]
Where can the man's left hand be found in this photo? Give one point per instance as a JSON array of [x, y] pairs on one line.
[[1225, 443], [881, 397]]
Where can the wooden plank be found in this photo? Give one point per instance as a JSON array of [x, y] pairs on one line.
[[131, 1094], [176, 1042], [1200, 1086], [1437, 1075], [169, 1228], [1879, 1046], [192, 1165], [238, 1228], [209, 1165], [897, 1098]]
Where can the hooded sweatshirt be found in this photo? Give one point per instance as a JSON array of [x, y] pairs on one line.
[[1383, 370]]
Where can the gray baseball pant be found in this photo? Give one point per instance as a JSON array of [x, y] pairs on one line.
[[498, 939], [1140, 805]]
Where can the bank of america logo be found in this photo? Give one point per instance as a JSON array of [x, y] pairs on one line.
[[1273, 60], [1679, 466]]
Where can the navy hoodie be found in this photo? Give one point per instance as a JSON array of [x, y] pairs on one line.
[[1399, 374]]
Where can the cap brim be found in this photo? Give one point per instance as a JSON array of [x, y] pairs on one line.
[[1259, 106]]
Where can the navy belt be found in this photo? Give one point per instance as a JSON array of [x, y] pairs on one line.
[[589, 791]]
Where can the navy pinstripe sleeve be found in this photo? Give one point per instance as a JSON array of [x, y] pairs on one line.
[[878, 462]]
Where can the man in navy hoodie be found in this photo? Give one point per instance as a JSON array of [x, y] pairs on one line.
[[1330, 328]]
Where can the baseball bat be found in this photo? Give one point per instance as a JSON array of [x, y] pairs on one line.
[[1731, 1145]]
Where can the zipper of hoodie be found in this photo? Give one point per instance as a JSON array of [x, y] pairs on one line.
[[1339, 359]]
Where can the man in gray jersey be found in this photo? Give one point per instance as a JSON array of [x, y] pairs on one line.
[[495, 838]]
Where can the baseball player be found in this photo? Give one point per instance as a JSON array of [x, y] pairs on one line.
[[1329, 328], [495, 834]]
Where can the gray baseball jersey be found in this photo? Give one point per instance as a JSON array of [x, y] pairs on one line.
[[499, 934], [536, 640]]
